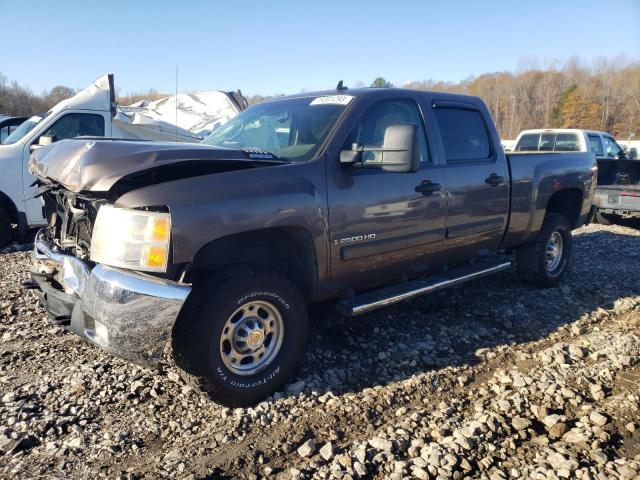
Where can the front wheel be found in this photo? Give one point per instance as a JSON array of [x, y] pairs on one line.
[[241, 335], [545, 261]]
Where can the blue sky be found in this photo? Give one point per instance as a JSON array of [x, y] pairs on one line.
[[285, 46]]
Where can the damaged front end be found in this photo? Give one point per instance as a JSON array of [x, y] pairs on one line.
[[127, 313]]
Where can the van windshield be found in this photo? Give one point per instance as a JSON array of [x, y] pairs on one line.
[[23, 129], [291, 129]]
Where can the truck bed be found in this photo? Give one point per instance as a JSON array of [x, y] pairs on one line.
[[534, 178]]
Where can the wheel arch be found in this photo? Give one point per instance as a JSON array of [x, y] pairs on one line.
[[9, 206], [289, 250], [567, 202]]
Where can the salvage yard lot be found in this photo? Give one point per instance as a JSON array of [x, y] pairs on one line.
[[493, 379]]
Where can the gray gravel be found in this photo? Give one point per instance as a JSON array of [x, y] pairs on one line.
[[494, 379]]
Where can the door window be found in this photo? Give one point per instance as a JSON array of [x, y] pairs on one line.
[[611, 147], [76, 125], [370, 129], [464, 134], [596, 145]]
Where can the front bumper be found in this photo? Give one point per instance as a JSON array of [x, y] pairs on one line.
[[126, 313]]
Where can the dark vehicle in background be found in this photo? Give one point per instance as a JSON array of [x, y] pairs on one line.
[[368, 196], [8, 125]]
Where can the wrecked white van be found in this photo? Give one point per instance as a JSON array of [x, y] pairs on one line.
[[93, 112]]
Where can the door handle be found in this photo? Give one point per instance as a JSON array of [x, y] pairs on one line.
[[427, 188], [494, 180]]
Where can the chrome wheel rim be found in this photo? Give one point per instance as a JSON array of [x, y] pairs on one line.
[[554, 251], [251, 337]]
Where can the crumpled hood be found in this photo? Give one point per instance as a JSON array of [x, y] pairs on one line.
[[97, 164]]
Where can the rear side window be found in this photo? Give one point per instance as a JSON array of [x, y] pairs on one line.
[[567, 142], [464, 134], [596, 145]]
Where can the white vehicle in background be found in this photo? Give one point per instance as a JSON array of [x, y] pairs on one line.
[[93, 112], [618, 192], [602, 144]]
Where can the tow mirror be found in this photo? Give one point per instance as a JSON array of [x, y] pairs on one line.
[[397, 153]]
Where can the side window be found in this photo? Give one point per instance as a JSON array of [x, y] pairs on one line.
[[370, 129], [596, 145], [611, 147], [464, 134], [76, 125], [567, 142], [4, 133], [528, 143]]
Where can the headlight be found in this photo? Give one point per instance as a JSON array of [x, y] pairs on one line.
[[133, 239]]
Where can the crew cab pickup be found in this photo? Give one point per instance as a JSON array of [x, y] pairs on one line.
[[368, 196]]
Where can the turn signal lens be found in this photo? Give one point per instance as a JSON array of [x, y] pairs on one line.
[[155, 257]]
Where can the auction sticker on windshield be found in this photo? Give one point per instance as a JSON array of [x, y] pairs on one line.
[[332, 100]]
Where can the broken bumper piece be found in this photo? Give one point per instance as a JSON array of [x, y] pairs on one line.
[[125, 313]]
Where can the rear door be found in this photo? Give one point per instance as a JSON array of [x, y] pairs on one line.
[[384, 224], [477, 180]]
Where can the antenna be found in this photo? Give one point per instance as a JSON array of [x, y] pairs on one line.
[[341, 86], [176, 103]]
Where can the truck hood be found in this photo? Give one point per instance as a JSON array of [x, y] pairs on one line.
[[96, 164]]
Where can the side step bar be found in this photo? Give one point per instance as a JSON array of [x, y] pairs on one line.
[[383, 297]]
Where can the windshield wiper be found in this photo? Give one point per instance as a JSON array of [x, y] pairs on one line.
[[258, 154]]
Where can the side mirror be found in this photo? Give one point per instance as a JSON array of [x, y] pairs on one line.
[[633, 153], [399, 148], [397, 153], [43, 141]]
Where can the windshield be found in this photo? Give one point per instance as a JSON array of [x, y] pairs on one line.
[[23, 129], [291, 129]]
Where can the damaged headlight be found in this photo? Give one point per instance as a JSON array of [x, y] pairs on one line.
[[134, 239]]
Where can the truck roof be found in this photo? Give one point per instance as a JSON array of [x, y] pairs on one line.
[[374, 92], [563, 130]]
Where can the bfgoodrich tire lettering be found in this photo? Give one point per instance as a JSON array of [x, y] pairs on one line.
[[197, 337]]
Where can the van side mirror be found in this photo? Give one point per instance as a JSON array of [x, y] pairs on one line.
[[43, 141], [398, 152]]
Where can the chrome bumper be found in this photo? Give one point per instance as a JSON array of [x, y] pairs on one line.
[[126, 313]]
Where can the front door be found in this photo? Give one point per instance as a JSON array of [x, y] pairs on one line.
[[384, 224]]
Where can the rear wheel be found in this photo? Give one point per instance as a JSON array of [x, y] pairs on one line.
[[241, 335], [6, 232], [545, 261]]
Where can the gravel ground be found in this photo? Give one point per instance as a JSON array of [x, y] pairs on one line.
[[494, 379]]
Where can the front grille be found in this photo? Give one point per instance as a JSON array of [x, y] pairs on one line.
[[71, 218]]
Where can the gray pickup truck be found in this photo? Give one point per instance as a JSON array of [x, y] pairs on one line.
[[367, 196]]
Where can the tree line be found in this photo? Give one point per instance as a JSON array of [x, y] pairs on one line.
[[604, 95]]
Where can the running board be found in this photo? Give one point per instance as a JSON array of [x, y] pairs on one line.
[[383, 297]]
